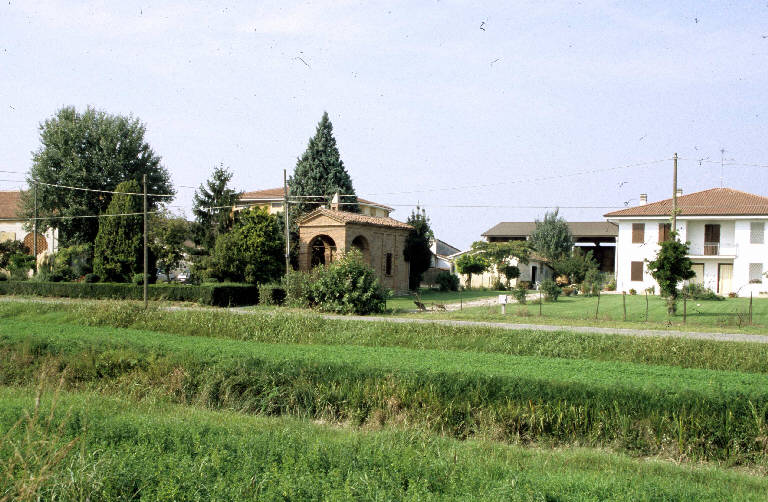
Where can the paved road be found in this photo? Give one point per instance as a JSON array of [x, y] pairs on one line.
[[696, 335]]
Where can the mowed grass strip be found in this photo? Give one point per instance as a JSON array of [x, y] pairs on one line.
[[174, 453], [688, 413], [296, 328]]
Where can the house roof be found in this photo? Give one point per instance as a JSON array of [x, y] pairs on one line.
[[577, 228], [9, 204], [360, 219], [442, 248], [712, 202], [276, 194]]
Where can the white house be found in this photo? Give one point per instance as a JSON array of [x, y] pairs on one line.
[[726, 230], [12, 226]]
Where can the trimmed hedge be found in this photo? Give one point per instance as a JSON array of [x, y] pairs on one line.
[[220, 295]]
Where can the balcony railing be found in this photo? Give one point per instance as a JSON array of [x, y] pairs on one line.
[[713, 249]]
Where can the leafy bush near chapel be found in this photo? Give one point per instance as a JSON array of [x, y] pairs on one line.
[[447, 281], [346, 286], [551, 290]]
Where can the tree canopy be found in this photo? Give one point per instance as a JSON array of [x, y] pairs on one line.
[[118, 252], [252, 251], [552, 238], [168, 234], [93, 150], [212, 207], [320, 171], [417, 250], [670, 267], [471, 263]]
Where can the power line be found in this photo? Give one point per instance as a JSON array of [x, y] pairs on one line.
[[102, 191]]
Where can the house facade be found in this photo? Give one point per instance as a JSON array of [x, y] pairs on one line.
[[273, 199], [324, 233], [440, 261], [12, 226], [726, 230]]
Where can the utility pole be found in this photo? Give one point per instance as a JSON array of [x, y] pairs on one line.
[[34, 231], [674, 195], [146, 254], [287, 229]]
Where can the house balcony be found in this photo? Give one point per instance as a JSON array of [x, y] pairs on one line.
[[713, 250]]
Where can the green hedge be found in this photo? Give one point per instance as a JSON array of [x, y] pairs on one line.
[[220, 295]]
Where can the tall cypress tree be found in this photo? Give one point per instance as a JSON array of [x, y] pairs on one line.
[[212, 206], [118, 251], [320, 171]]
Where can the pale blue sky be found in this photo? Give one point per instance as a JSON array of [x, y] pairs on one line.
[[423, 95]]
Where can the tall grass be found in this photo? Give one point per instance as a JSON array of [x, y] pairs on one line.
[[684, 413], [174, 453]]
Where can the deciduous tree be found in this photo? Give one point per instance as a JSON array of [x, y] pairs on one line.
[[471, 263], [670, 267], [94, 150], [552, 238]]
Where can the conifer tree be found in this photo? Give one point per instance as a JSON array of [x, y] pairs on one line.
[[118, 251], [417, 247], [320, 171], [212, 206]]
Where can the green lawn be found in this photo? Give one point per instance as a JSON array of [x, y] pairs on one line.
[[430, 296], [727, 315], [125, 450]]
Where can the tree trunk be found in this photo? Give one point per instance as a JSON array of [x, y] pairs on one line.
[[671, 305]]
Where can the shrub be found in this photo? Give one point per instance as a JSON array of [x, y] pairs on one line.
[[551, 290], [91, 278], [271, 294], [519, 292], [447, 281], [611, 285], [568, 291], [498, 285], [220, 295], [297, 286], [347, 286], [699, 292], [633, 291], [19, 265], [138, 279], [593, 282]]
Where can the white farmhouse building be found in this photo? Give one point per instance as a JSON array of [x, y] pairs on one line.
[[726, 230]]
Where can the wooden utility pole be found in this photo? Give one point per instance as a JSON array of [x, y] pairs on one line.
[[287, 228], [34, 232], [674, 195], [146, 253]]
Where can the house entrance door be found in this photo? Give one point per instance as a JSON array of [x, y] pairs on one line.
[[533, 275], [724, 276]]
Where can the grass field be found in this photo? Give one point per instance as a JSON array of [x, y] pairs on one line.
[[164, 403], [728, 315], [125, 451]]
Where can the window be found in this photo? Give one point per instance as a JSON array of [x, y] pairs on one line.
[[388, 265], [711, 239], [664, 230], [755, 273], [637, 271], [757, 232], [638, 233]]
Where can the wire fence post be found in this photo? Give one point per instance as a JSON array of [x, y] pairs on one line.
[[597, 309], [750, 307], [146, 253], [541, 301], [646, 305], [624, 303]]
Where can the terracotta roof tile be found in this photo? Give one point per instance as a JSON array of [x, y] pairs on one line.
[[9, 205], [577, 228], [361, 219], [277, 193], [712, 202]]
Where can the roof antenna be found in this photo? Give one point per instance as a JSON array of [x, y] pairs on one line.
[[722, 158]]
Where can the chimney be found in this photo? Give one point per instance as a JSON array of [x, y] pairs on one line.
[[335, 202], [679, 192], [643, 199]]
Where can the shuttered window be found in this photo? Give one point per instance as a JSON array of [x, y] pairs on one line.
[[664, 230], [638, 233], [757, 232], [637, 271], [756, 273]]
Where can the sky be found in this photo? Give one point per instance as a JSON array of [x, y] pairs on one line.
[[506, 108]]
